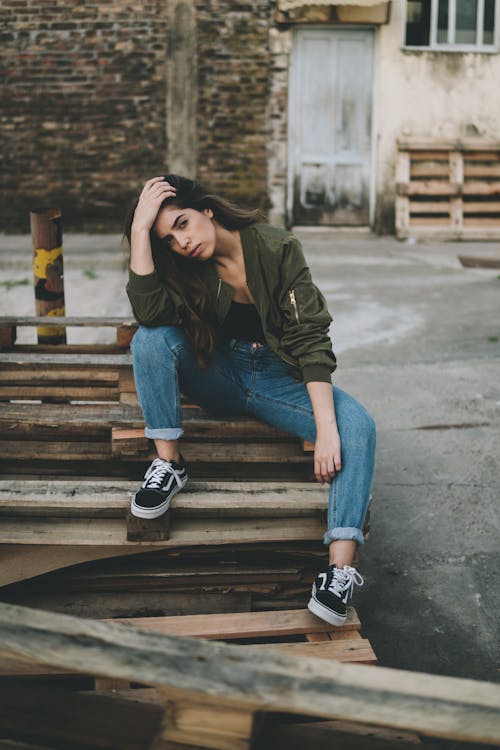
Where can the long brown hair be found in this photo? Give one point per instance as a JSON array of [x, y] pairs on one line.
[[185, 277]]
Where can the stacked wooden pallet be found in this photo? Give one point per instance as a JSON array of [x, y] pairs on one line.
[[193, 693], [231, 560], [448, 189], [74, 409]]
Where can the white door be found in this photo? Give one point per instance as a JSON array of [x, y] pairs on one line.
[[330, 127]]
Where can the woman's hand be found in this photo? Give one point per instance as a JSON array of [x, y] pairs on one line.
[[327, 454], [152, 196]]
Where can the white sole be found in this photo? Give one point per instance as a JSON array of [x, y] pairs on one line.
[[149, 513], [324, 613]]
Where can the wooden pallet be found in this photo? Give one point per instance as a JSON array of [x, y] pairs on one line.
[[288, 631], [448, 189], [88, 419], [212, 695]]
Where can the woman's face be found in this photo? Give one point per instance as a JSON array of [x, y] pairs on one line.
[[189, 233]]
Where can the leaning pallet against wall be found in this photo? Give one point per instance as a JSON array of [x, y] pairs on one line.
[[448, 189], [213, 695]]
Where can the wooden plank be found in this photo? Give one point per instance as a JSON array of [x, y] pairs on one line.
[[289, 450], [481, 188], [417, 156], [429, 207], [205, 497], [448, 144], [429, 169], [13, 415], [483, 221], [483, 170], [484, 156], [62, 451], [402, 213], [403, 167], [209, 427], [37, 375], [73, 393], [148, 530], [435, 221], [241, 624], [213, 504], [63, 358], [109, 532], [82, 321], [357, 650], [465, 710], [456, 214], [480, 207], [456, 167], [428, 188], [207, 724]]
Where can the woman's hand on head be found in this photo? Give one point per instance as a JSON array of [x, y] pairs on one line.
[[154, 192]]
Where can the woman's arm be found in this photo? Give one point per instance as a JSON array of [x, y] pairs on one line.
[[153, 194], [327, 450]]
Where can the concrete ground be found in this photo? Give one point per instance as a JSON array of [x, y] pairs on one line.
[[417, 339]]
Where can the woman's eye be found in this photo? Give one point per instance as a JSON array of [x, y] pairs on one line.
[[183, 223]]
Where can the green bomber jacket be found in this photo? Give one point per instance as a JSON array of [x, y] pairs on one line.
[[294, 314]]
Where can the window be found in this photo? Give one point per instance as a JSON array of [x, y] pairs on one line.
[[451, 24]]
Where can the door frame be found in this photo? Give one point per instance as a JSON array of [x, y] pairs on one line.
[[291, 108]]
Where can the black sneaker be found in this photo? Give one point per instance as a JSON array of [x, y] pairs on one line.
[[331, 591], [162, 481]]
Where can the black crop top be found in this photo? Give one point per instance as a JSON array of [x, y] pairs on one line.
[[243, 322]]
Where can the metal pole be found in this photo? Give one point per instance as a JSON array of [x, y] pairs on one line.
[[46, 234]]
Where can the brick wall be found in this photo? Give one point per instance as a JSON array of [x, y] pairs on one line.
[[83, 104], [234, 80]]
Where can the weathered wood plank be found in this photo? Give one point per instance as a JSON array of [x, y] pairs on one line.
[[240, 676], [201, 499], [242, 624], [62, 451], [448, 144], [135, 445], [83, 321], [356, 650], [111, 532]]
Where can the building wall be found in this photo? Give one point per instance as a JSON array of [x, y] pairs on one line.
[[93, 102], [84, 104], [421, 94], [83, 107]]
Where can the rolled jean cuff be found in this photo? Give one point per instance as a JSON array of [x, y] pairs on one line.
[[350, 533], [167, 433]]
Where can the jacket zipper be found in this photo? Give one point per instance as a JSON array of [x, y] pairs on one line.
[[291, 294]]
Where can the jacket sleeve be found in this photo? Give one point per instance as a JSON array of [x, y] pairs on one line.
[[306, 320], [153, 303]]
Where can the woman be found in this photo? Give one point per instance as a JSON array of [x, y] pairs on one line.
[[230, 315]]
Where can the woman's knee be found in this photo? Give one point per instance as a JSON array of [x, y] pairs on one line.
[[149, 341], [352, 414]]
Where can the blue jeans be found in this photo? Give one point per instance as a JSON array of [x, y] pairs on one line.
[[249, 381]]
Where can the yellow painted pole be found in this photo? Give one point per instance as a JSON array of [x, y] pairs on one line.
[[46, 235]]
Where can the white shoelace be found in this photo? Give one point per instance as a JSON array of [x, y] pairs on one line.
[[343, 580], [155, 475]]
